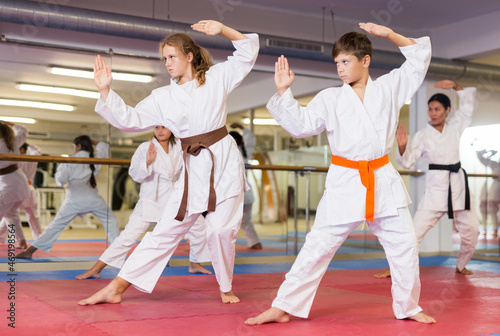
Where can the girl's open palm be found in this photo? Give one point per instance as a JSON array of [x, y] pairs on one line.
[[151, 154], [209, 27], [283, 76], [102, 74]]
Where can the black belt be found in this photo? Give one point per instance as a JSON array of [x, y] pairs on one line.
[[454, 168]]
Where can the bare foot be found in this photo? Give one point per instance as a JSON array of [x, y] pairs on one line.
[[229, 297], [271, 315], [422, 318], [197, 268], [257, 246], [27, 254], [384, 274], [112, 293], [22, 245], [464, 271], [91, 273]]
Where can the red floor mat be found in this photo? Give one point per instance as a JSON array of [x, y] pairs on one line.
[[95, 249], [349, 302]]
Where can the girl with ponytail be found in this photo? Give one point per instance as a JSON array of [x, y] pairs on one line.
[[81, 196], [156, 165], [193, 107]]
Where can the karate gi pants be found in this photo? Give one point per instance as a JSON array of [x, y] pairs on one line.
[[397, 236], [29, 206], [247, 226], [144, 266], [465, 221], [116, 253], [10, 214], [69, 210]]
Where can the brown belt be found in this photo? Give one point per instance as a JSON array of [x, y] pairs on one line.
[[8, 169], [193, 145]]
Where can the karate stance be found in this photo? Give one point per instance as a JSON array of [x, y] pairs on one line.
[[446, 187], [81, 196], [29, 205], [193, 107], [490, 199], [246, 145], [360, 119], [13, 183], [156, 164]]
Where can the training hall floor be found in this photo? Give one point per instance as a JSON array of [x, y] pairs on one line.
[[350, 301]]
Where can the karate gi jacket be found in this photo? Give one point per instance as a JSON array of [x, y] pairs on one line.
[[14, 186], [157, 180], [77, 176], [171, 106]]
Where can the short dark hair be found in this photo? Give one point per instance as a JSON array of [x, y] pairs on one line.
[[440, 98], [354, 43]]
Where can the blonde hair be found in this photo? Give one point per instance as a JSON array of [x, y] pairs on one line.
[[8, 135], [202, 60]]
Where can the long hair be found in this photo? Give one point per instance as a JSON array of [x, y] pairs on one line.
[[239, 141], [202, 60], [86, 145], [8, 135]]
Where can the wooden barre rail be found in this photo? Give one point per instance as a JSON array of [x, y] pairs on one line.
[[126, 162], [61, 159]]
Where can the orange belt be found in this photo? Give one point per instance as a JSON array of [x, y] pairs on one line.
[[367, 176]]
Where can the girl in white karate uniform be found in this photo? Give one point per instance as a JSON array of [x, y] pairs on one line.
[[156, 164], [490, 199], [438, 143], [360, 120], [13, 183], [193, 107], [246, 144], [81, 196], [29, 205]]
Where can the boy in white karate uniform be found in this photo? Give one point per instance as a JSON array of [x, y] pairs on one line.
[[360, 119]]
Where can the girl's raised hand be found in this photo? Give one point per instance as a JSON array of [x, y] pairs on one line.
[[209, 27], [151, 154]]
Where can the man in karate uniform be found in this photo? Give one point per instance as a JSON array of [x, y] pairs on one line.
[[360, 119]]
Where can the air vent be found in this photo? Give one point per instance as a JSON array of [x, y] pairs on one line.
[[38, 135], [291, 44]]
